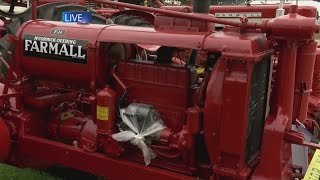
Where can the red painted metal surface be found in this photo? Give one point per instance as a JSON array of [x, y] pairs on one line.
[[34, 10], [275, 152], [60, 104], [314, 100], [316, 73], [280, 25], [160, 79], [303, 84], [41, 2], [95, 163], [70, 72], [169, 23], [105, 120], [5, 141], [267, 11], [200, 17], [315, 96], [219, 123], [106, 111]]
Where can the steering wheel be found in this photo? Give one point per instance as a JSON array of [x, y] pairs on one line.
[[12, 6], [9, 11]]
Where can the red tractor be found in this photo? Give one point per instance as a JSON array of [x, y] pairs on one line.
[[82, 96]]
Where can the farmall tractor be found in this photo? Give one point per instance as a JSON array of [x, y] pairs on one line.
[[82, 96]]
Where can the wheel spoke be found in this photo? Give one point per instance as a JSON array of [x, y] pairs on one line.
[[12, 5]]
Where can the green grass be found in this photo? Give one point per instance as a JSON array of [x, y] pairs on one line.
[[12, 173], [54, 173]]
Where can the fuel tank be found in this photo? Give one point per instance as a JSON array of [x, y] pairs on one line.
[[67, 52]]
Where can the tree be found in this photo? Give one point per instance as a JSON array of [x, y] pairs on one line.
[[183, 2]]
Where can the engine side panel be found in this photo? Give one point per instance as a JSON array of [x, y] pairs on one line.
[[167, 87]]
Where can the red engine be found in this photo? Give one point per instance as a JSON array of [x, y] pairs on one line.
[[64, 82], [82, 96], [149, 83]]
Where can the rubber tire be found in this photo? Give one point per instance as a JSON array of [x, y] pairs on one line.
[[130, 20]]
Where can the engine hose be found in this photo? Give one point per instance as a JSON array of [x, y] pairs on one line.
[[199, 7], [123, 86]]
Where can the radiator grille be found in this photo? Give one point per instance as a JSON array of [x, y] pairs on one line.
[[257, 107]]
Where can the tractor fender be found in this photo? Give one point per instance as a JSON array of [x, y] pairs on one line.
[[149, 17]]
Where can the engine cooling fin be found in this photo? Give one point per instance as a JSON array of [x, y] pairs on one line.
[[257, 107]]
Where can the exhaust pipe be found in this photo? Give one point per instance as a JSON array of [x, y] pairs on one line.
[[201, 6], [34, 10], [198, 7]]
